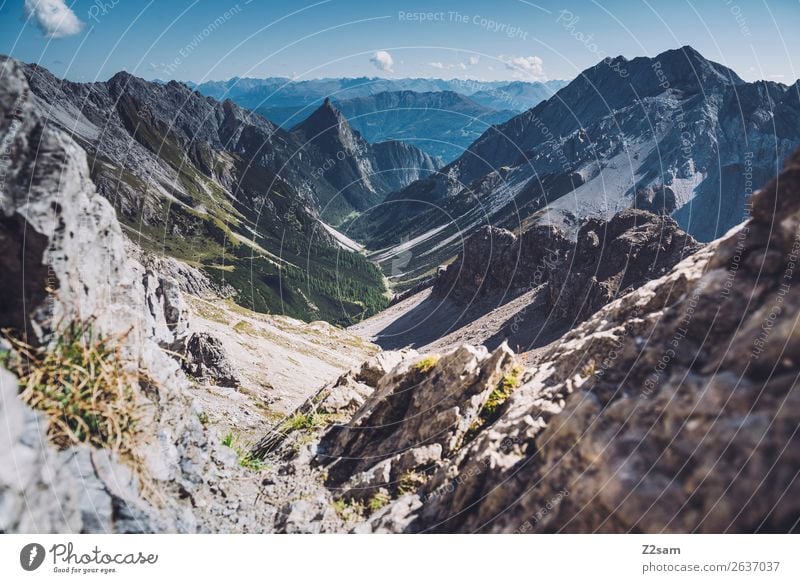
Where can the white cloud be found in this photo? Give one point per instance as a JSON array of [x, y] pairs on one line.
[[440, 65], [53, 17], [473, 60], [383, 61], [531, 68]]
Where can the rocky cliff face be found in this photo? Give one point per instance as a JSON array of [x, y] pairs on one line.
[[612, 258], [65, 260], [608, 259], [495, 266], [361, 172], [77, 269]]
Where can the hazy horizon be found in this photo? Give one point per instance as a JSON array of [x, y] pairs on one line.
[[88, 40]]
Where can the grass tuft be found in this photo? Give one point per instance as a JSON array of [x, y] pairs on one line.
[[349, 509], [243, 455], [379, 499], [426, 364], [409, 482], [511, 380], [305, 421], [82, 384]]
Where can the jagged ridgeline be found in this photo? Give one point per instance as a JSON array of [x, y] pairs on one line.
[[229, 192], [688, 132]]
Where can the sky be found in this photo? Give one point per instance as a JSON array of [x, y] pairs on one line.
[[201, 40]]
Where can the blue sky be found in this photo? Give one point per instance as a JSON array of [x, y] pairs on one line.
[[504, 39]]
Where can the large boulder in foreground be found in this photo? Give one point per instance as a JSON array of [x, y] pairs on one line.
[[419, 413]]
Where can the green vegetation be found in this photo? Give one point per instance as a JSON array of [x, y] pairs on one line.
[[426, 364], [228, 439], [511, 380], [82, 384], [303, 421], [378, 500], [203, 417], [277, 257], [243, 455], [409, 482], [349, 509], [353, 509], [248, 461]]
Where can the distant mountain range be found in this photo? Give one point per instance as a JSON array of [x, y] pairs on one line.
[[442, 123], [517, 96], [441, 117], [282, 92], [678, 124], [229, 192]]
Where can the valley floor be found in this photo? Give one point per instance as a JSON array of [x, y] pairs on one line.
[[432, 324], [280, 362]]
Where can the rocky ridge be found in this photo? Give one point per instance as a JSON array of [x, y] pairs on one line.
[[527, 289], [66, 259], [675, 123], [441, 123], [362, 173]]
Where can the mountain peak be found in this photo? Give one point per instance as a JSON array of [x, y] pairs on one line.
[[690, 60], [682, 55], [324, 120], [683, 70], [121, 78], [328, 109]]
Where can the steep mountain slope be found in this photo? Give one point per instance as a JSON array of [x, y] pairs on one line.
[[676, 121], [217, 186], [674, 408], [361, 172], [442, 123]]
